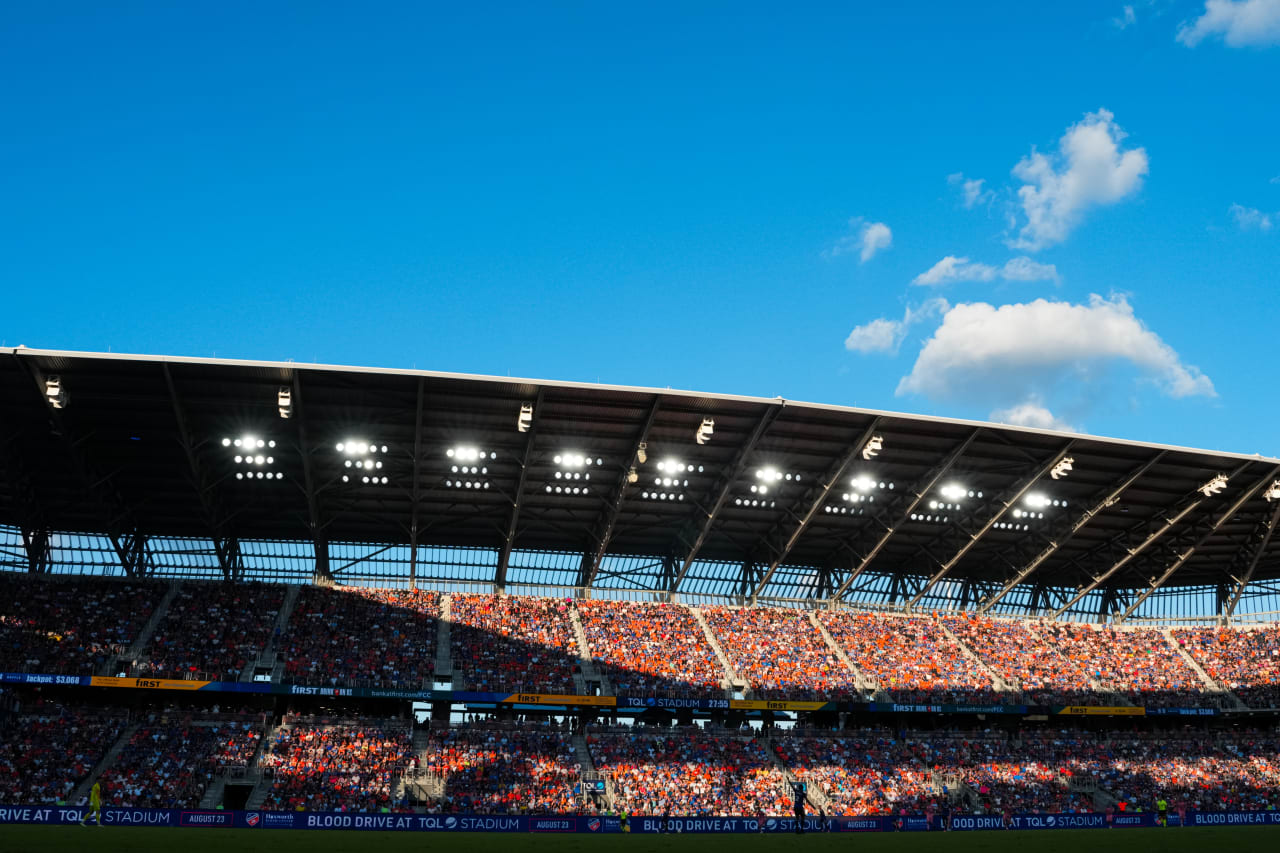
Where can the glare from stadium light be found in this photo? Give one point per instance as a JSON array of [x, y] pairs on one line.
[[863, 483], [955, 491], [770, 475], [1037, 500]]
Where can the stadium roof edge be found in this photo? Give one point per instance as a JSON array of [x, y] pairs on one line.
[[635, 389]]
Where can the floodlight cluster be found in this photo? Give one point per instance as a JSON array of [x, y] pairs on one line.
[[662, 496], [567, 490], [1008, 525], [256, 455], [362, 460], [767, 478], [469, 466], [957, 492], [755, 502], [842, 510], [864, 484], [930, 517]]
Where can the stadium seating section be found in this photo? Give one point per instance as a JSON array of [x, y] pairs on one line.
[[514, 643], [651, 649], [212, 630], [780, 654], [488, 771], [336, 767]]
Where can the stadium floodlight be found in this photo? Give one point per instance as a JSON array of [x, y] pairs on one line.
[[1062, 469], [1214, 486], [1037, 500], [642, 453], [574, 460], [284, 402], [873, 447], [705, 430], [54, 392], [955, 491], [256, 455], [1273, 493], [525, 419], [863, 483], [362, 456], [770, 475]]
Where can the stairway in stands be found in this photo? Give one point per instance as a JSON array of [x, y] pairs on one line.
[[1229, 699], [1001, 685], [82, 790], [861, 679], [444, 641], [119, 663], [731, 679], [585, 660], [269, 656]]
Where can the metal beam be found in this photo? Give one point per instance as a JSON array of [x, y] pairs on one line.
[[1079, 524], [1161, 528], [36, 545], [1187, 554], [224, 546], [605, 525], [319, 538], [1018, 491], [1253, 563], [921, 488], [504, 553], [415, 489], [126, 539], [834, 475], [722, 491]]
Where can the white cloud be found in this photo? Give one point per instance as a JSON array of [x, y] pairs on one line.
[[882, 335], [865, 238], [971, 189], [1126, 19], [1031, 413], [951, 269], [1250, 217], [1089, 170], [1024, 269], [1012, 352], [1276, 179], [1240, 23]]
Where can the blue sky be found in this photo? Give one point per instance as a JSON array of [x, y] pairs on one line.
[[735, 199]]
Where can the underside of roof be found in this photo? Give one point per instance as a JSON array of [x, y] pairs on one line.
[[784, 500]]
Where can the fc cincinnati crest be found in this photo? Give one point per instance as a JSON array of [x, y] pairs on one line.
[[594, 824], [252, 818]]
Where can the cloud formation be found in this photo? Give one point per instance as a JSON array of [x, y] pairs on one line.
[[1240, 23], [1089, 170], [1249, 218], [1125, 19], [1020, 350], [865, 238], [951, 269], [883, 335], [971, 190], [1031, 413]]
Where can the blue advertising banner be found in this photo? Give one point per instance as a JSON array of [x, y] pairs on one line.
[[600, 824]]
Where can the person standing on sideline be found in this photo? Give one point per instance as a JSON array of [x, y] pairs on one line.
[[95, 805], [798, 788]]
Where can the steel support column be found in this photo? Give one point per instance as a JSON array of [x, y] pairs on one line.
[[834, 475], [1018, 491], [415, 490], [921, 488], [722, 491], [319, 538], [1187, 554], [1191, 502], [526, 457], [1079, 524], [605, 525]]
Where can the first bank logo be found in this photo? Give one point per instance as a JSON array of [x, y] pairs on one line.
[[594, 824], [252, 818], [451, 823]]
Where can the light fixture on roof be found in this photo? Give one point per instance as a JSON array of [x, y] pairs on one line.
[[284, 401], [1214, 486], [1273, 493], [955, 491], [632, 476], [642, 453], [873, 447], [362, 458], [256, 455], [54, 393], [863, 483], [1037, 500], [705, 431], [1062, 469], [525, 419]]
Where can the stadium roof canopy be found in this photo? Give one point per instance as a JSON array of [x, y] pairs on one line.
[[784, 500]]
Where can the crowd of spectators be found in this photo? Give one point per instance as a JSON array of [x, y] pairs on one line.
[[651, 649], [864, 773], [524, 771], [780, 654], [350, 768], [912, 658], [49, 749], [169, 765], [64, 626], [361, 636], [689, 772], [212, 631], [1245, 661], [1236, 771], [514, 643]]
